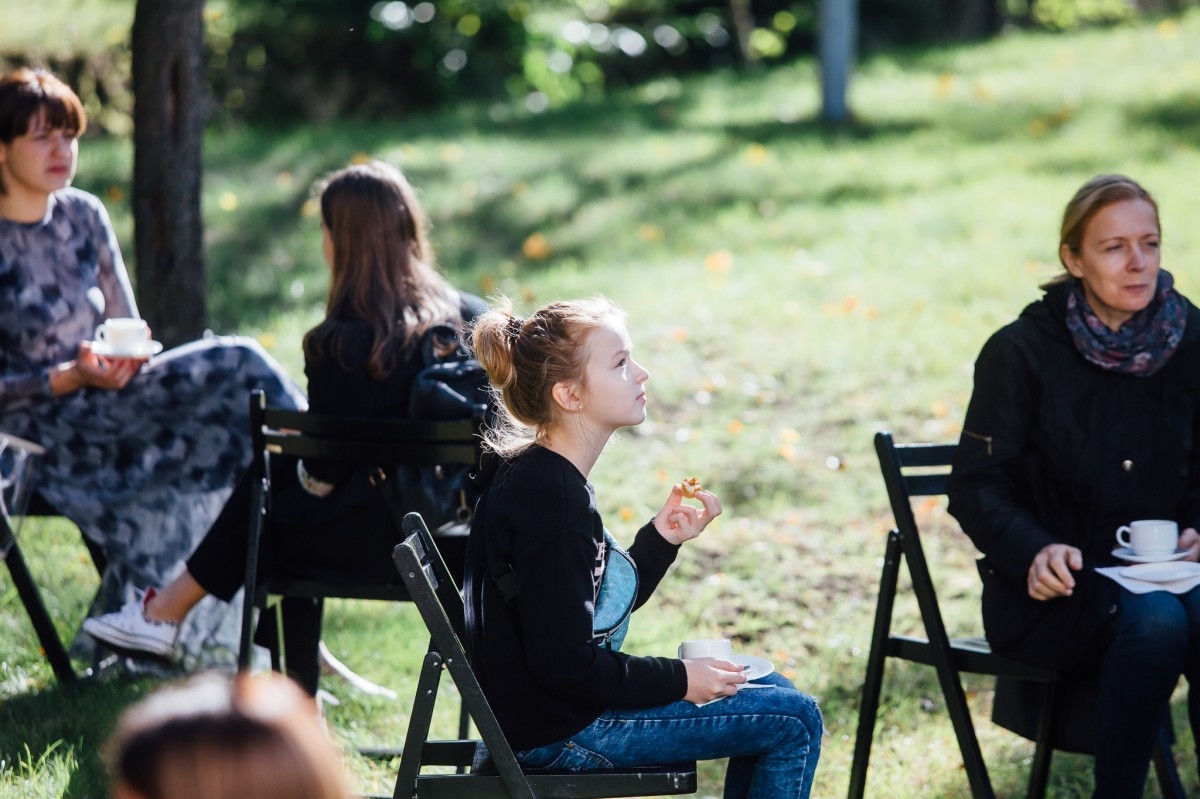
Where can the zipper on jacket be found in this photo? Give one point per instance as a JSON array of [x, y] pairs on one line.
[[985, 439]]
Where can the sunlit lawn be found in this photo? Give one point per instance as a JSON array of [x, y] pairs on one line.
[[792, 290]]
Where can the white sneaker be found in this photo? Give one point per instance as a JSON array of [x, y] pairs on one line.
[[130, 631]]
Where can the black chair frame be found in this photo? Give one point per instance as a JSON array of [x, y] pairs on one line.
[[370, 442], [916, 470], [494, 772], [30, 594]]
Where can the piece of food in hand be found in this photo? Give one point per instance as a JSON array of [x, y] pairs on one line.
[[689, 486]]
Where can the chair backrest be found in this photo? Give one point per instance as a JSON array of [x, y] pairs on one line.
[[372, 442], [382, 443], [441, 607], [915, 470], [912, 470]]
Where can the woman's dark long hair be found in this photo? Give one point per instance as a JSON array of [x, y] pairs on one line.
[[383, 271]]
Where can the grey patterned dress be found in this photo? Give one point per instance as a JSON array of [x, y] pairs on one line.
[[145, 470]]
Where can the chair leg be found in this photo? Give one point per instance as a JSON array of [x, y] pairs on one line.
[[1039, 774], [43, 625], [418, 726], [873, 683], [464, 723], [1169, 784]]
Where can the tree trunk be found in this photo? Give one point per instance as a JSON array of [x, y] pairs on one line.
[[743, 26], [168, 117]]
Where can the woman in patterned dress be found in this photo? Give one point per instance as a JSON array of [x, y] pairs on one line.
[[141, 454]]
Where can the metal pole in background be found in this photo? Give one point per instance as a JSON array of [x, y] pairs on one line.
[[836, 46]]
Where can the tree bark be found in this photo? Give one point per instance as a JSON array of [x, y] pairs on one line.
[[743, 26], [168, 117]]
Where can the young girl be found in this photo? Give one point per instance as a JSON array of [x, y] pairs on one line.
[[140, 455], [384, 293], [565, 698]]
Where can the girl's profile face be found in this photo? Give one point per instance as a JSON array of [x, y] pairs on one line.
[[614, 394], [41, 160]]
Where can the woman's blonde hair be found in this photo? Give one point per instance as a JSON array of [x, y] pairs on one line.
[[216, 737], [383, 271], [526, 358], [1091, 198]]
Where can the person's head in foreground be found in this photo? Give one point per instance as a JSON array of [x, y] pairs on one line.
[[216, 737], [41, 120], [567, 369], [1110, 243]]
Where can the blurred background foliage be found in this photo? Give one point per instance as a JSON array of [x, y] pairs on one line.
[[283, 61]]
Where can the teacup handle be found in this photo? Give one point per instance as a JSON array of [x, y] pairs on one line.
[[1124, 541], [101, 333]]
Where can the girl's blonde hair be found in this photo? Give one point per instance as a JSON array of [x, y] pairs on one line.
[[526, 358], [214, 737]]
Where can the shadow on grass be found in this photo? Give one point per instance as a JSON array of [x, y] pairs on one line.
[[1177, 120], [261, 253], [73, 720]]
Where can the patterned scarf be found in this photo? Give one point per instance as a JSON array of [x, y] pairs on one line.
[[1142, 345]]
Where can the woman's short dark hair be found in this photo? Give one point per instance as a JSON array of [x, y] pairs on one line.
[[27, 93]]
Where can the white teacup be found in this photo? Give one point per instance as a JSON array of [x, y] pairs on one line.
[[1149, 536], [123, 335], [719, 648]]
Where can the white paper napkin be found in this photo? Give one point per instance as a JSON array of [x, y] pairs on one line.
[[1136, 586]]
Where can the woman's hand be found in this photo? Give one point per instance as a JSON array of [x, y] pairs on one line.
[[678, 522], [709, 679], [92, 371], [1189, 539], [1050, 573]]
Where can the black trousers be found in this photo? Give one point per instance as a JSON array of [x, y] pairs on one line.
[[347, 536]]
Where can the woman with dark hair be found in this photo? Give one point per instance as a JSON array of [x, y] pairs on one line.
[[384, 293], [1086, 416], [141, 451]]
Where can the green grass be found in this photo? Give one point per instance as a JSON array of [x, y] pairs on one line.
[[791, 288], [64, 28]]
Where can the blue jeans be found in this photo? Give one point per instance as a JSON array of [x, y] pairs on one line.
[[1152, 641], [772, 737]]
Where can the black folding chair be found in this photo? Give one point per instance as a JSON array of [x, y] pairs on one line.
[[369, 442], [31, 596], [488, 769], [916, 470], [19, 499]]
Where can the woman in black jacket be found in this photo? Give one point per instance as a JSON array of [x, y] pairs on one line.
[[360, 362], [1085, 416]]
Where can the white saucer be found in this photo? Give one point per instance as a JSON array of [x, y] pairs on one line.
[[1125, 553], [1163, 572], [754, 668], [105, 350]]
